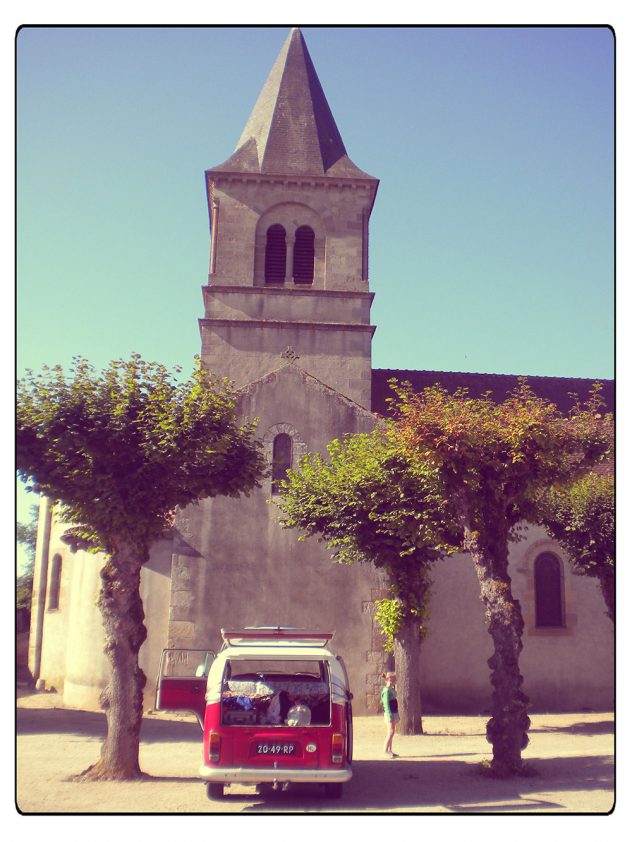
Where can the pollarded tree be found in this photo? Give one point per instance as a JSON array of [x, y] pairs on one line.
[[580, 517], [120, 450], [370, 507], [494, 461]]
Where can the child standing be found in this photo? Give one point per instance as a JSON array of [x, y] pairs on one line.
[[391, 716]]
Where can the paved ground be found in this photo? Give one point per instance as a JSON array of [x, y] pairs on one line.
[[571, 755]]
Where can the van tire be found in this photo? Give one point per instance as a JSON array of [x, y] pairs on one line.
[[214, 791], [333, 790]]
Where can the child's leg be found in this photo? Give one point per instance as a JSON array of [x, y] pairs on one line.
[[390, 732]]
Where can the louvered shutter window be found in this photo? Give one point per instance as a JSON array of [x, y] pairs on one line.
[[275, 255], [303, 269]]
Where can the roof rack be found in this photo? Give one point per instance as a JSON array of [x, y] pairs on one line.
[[276, 633]]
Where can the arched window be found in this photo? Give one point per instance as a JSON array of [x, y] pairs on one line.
[[54, 583], [549, 610], [303, 268], [281, 460], [275, 255]]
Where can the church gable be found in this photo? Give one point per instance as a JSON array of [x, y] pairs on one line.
[[291, 403], [294, 378]]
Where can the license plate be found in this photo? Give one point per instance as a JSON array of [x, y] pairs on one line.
[[275, 749]]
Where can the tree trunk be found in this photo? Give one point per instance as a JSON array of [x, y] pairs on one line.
[[122, 612], [507, 729], [406, 645], [606, 582]]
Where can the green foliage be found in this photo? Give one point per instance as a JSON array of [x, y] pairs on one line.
[[24, 592], [495, 459], [580, 517], [389, 615], [368, 504], [122, 448]]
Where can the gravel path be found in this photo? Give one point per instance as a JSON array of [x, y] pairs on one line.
[[571, 755]]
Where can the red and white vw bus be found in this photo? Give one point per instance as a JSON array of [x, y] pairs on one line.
[[274, 706]]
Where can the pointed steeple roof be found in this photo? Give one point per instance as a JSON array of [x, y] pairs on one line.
[[291, 130]]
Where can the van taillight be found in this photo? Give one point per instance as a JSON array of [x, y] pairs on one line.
[[337, 744], [213, 746]]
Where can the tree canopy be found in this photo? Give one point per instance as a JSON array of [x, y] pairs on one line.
[[580, 517], [367, 503], [123, 447], [493, 454]]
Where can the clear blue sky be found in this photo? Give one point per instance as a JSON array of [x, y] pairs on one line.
[[492, 237]]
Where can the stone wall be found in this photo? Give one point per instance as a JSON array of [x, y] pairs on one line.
[[234, 565]]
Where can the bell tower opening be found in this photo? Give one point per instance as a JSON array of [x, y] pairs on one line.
[[303, 269], [276, 257]]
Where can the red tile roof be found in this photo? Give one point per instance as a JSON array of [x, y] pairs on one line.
[[555, 389]]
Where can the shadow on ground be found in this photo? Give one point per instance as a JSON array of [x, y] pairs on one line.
[[584, 728], [387, 785], [92, 724]]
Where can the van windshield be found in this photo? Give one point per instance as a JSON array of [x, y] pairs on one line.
[[276, 693]]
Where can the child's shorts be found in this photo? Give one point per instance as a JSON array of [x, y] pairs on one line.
[[394, 717]]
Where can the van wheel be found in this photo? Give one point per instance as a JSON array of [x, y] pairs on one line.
[[333, 790], [214, 791]]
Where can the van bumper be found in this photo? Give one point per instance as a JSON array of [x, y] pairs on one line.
[[261, 775]]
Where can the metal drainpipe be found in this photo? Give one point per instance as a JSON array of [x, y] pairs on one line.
[[40, 580]]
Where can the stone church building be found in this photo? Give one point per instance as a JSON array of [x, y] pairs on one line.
[[287, 316]]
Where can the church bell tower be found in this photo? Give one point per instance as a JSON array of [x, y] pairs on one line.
[[287, 318], [289, 216]]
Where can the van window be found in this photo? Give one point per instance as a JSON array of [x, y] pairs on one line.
[[276, 693], [315, 669]]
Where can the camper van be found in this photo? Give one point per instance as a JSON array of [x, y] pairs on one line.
[[274, 706]]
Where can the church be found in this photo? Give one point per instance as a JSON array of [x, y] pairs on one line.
[[287, 316]]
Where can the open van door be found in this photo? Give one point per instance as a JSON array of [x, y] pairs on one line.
[[348, 712], [181, 684]]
